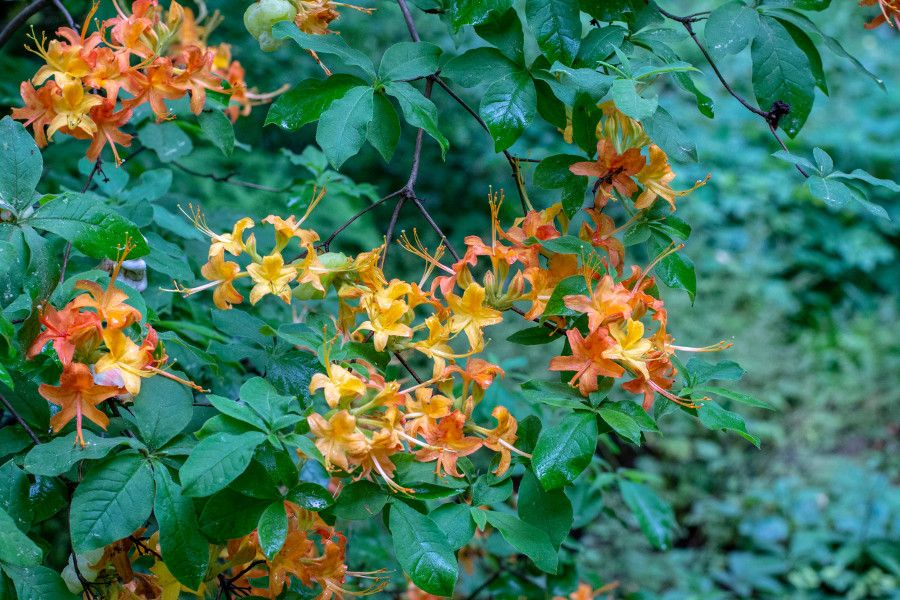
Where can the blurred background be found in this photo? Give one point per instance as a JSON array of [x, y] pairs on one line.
[[807, 294]]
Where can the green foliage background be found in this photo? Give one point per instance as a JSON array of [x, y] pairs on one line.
[[808, 294]]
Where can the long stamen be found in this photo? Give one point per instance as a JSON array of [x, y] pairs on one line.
[[686, 402], [671, 249], [723, 345]]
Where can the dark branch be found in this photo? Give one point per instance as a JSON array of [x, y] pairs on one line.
[[326, 245], [407, 366], [20, 19], [230, 180], [21, 421], [772, 117], [390, 230], [418, 202]]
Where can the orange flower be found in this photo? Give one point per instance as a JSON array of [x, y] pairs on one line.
[[607, 301], [72, 109], [108, 122], [156, 84], [77, 396], [338, 439], [109, 303], [588, 360], [38, 110], [424, 412], [502, 437], [656, 177], [612, 170], [450, 444], [67, 329]]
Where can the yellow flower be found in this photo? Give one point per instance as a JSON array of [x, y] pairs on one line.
[[338, 439], [470, 314], [385, 323], [232, 242], [631, 348], [656, 177], [222, 272], [271, 277], [126, 357], [72, 108], [339, 384]]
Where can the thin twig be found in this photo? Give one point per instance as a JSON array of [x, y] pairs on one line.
[[771, 117], [230, 180], [407, 366], [19, 20], [326, 245], [407, 16], [21, 421], [418, 202], [390, 230]]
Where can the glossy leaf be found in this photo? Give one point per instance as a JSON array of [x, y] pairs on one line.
[[563, 451], [421, 549], [217, 461], [183, 548]]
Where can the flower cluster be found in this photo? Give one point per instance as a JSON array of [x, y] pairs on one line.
[[100, 361], [91, 83]]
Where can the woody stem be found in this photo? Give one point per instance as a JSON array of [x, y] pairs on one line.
[[21, 421]]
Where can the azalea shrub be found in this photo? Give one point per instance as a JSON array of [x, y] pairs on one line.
[[213, 407]]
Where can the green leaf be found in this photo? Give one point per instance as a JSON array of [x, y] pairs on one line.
[[505, 32], [781, 71], [675, 270], [310, 496], [113, 500], [474, 12], [421, 549], [569, 84], [39, 583], [565, 450], [217, 461], [553, 172], [272, 529], [598, 44], [568, 244], [732, 395], [343, 126], [264, 399], [62, 453], [861, 175], [701, 371], [627, 419], [183, 548], [15, 547], [805, 44], [654, 516], [455, 520], [418, 111], [665, 133], [550, 511], [229, 515], [714, 416], [92, 227], [409, 60], [527, 539], [218, 129], [479, 66], [556, 26], [534, 336], [166, 139], [832, 192], [817, 5], [508, 106], [360, 500], [21, 165], [237, 410], [384, 128], [730, 28], [333, 45], [624, 93], [162, 410], [307, 101], [567, 287]]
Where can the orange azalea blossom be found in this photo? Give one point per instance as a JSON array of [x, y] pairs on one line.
[[588, 360], [656, 176], [608, 300], [449, 444], [77, 396], [613, 171], [68, 329]]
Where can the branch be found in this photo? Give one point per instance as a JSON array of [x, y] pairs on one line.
[[406, 365], [326, 245], [390, 230], [229, 179], [29, 11], [771, 117], [21, 421], [98, 166], [434, 225]]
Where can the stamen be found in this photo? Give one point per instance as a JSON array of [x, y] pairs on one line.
[[723, 345]]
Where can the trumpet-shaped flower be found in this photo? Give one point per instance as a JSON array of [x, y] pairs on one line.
[[77, 396], [271, 276]]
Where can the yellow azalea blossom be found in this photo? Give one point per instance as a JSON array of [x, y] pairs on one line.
[[72, 108], [338, 439], [338, 384], [126, 357], [271, 277], [436, 346], [65, 61], [285, 229], [631, 348], [425, 410], [387, 323], [470, 314], [223, 273], [656, 177]]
